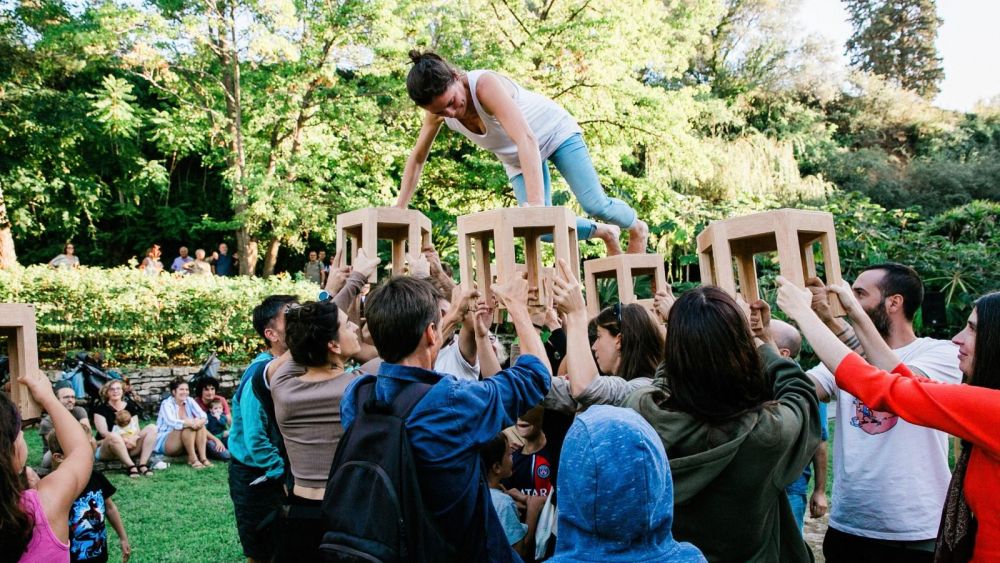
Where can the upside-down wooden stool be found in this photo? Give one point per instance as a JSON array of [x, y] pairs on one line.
[[623, 268], [790, 232], [408, 229], [502, 226], [17, 323]]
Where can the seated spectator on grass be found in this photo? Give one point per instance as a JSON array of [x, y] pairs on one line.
[[615, 493], [455, 418], [257, 470], [307, 392], [970, 525], [496, 455], [67, 260], [34, 523], [111, 446], [64, 392], [181, 425], [90, 514], [205, 392], [738, 424], [126, 425], [218, 422]]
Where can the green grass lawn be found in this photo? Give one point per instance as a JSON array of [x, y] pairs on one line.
[[180, 514]]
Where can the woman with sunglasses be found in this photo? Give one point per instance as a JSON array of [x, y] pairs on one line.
[[621, 358], [970, 525], [34, 523]]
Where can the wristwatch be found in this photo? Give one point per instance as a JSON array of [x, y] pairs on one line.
[[324, 295]]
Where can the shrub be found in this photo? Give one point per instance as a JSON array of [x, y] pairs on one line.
[[138, 319]]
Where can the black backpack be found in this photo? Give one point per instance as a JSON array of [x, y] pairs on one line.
[[372, 509]]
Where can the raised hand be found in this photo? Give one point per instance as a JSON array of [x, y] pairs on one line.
[[420, 267], [820, 299], [567, 295], [482, 318], [848, 300], [793, 300], [663, 301], [38, 385], [513, 294], [365, 265], [760, 320]]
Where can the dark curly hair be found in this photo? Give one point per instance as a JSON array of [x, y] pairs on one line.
[[16, 525], [309, 329], [429, 76]]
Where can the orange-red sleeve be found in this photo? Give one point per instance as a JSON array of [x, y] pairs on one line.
[[971, 413]]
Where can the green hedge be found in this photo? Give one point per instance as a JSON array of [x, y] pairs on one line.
[[137, 319]]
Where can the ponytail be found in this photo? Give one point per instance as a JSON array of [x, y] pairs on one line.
[[429, 76]]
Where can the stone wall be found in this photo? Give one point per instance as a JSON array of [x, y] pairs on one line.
[[151, 382]]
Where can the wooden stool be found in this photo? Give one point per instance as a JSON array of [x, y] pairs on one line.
[[17, 323], [790, 232], [408, 229], [624, 268], [502, 226]]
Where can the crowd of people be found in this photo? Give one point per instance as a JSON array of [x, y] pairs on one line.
[[394, 425], [219, 263]]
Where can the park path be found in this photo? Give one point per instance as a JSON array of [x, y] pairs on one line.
[[814, 530]]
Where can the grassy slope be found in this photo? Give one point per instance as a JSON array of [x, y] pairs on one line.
[[178, 515]]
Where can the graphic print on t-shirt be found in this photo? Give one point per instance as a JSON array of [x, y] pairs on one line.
[[870, 420], [87, 530], [533, 474]]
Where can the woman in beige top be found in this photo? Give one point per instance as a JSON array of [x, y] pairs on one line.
[[307, 390]]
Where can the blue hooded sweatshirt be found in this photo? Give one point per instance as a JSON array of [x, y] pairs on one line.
[[616, 498]]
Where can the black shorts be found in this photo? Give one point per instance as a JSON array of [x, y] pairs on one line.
[[299, 531], [253, 505]]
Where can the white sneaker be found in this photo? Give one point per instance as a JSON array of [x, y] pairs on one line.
[[160, 465]]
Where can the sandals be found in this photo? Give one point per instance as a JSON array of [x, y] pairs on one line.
[[132, 471], [207, 463], [196, 464], [145, 471]]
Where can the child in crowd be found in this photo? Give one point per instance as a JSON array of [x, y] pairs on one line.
[[497, 459], [126, 425], [534, 464], [90, 514], [218, 422]]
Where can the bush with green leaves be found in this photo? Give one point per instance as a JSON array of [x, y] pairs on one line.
[[140, 319]]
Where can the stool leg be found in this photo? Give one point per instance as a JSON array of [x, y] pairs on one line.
[[398, 256]]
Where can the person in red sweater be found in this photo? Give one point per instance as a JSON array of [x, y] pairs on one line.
[[970, 411]]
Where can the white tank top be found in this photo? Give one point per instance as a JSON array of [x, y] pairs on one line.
[[550, 123]]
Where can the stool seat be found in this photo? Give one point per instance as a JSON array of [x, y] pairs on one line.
[[789, 232], [501, 227], [408, 229], [623, 268]]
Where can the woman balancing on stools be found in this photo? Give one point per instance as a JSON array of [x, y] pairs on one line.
[[524, 130]]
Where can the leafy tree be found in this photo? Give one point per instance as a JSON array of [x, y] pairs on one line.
[[895, 39], [8, 254]]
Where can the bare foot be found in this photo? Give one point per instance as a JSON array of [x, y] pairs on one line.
[[196, 464], [638, 236], [609, 234], [207, 463]]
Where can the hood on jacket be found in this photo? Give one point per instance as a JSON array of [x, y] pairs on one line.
[[615, 492]]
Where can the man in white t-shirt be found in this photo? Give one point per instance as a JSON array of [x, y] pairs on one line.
[[890, 476]]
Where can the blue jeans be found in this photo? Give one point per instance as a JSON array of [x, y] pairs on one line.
[[573, 161], [796, 493]]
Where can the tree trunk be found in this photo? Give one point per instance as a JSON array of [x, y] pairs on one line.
[[8, 257], [271, 257]]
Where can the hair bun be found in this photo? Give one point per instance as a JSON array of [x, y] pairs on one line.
[[416, 56]]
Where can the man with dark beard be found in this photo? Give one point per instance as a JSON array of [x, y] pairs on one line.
[[890, 476]]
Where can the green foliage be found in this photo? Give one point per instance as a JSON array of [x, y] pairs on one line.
[[138, 319], [895, 39]]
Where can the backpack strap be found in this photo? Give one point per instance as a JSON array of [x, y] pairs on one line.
[[401, 406]]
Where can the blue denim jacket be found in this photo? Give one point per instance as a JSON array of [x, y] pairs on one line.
[[446, 429], [249, 442]]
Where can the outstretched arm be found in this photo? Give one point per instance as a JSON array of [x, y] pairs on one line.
[[415, 162], [568, 299], [514, 295]]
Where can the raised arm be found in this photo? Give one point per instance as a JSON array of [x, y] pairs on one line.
[[497, 101], [567, 295], [415, 162], [877, 351], [514, 295], [489, 365], [61, 487]]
